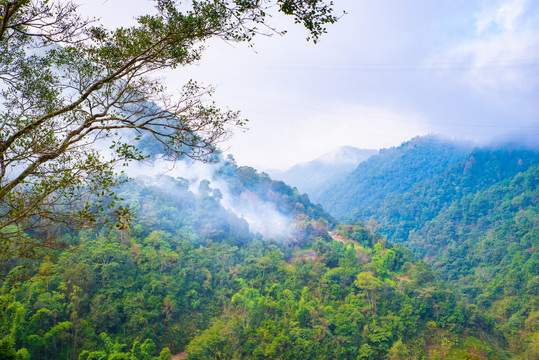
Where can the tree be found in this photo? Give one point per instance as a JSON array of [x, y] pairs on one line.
[[71, 88], [6, 349], [398, 351], [372, 225], [370, 287]]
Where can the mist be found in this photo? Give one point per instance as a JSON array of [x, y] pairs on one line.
[[261, 216]]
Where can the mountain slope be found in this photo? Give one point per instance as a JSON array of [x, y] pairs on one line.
[[192, 275], [474, 218], [486, 243], [392, 171], [309, 176], [408, 197], [189, 275]]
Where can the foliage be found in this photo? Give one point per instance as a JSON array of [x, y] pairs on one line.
[[76, 96], [475, 221], [307, 310], [190, 276], [252, 303], [360, 194], [288, 200]]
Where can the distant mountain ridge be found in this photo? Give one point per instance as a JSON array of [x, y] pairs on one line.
[[472, 214], [393, 170], [309, 176], [405, 187]]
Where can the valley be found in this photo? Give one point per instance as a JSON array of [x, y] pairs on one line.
[[191, 278], [180, 180]]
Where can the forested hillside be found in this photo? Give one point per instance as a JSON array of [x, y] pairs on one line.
[[474, 219], [405, 187], [380, 305], [138, 296], [486, 244], [122, 293], [392, 171], [246, 180], [190, 277]]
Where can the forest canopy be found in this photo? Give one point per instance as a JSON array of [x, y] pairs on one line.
[[77, 96]]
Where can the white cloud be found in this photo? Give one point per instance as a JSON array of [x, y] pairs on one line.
[[501, 14], [282, 140], [501, 60], [504, 50]]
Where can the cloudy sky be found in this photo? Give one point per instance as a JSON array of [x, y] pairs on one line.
[[386, 72]]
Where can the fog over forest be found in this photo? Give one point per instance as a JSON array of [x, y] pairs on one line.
[[194, 180]]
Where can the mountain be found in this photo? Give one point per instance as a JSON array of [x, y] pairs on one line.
[[309, 176], [189, 279], [405, 187], [192, 277], [472, 214], [392, 171], [202, 272]]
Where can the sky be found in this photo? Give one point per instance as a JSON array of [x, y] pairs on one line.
[[385, 72]]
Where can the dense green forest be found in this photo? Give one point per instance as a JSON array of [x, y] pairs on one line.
[[191, 277], [427, 250], [156, 284], [473, 219], [148, 293], [392, 171]]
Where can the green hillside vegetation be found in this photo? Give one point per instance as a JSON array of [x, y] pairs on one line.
[[404, 188], [287, 199], [341, 307], [475, 222], [189, 276], [125, 296], [393, 171], [123, 293], [487, 244]]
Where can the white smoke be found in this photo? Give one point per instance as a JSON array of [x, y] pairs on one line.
[[262, 216]]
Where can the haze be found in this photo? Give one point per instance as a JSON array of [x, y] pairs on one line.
[[387, 71]]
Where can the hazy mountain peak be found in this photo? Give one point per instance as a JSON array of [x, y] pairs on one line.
[[310, 175], [346, 155]]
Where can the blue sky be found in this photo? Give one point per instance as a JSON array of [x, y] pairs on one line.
[[387, 71]]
